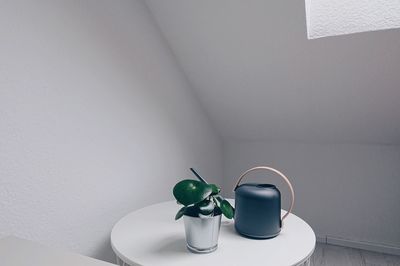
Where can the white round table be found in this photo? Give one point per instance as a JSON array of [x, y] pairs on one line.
[[151, 236]]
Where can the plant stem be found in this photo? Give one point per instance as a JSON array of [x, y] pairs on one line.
[[198, 176]]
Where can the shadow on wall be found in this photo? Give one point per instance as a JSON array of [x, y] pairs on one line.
[[347, 191], [103, 251]]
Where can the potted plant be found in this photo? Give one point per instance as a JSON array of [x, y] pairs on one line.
[[201, 212]]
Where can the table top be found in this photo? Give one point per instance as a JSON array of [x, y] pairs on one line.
[[20, 252], [151, 236]]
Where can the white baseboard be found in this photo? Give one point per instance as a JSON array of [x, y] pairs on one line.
[[376, 247]]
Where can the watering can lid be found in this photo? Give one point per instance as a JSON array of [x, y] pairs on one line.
[[255, 190], [257, 185]]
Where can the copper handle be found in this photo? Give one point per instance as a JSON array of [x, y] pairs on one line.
[[277, 172]]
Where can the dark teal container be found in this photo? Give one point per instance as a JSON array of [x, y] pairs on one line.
[[258, 207]]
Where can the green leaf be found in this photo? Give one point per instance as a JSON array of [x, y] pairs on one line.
[[192, 211], [217, 211], [190, 191], [227, 209], [180, 213], [206, 207], [218, 199], [215, 189]]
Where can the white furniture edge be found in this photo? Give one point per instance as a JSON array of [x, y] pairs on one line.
[[124, 261], [20, 252]]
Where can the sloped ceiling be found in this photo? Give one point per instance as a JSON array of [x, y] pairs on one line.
[[259, 78]]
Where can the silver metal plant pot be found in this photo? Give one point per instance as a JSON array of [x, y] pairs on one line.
[[202, 233]]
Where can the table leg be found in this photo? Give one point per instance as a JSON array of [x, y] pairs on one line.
[[121, 262]]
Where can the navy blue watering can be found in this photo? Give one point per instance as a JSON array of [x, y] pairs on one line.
[[258, 207]]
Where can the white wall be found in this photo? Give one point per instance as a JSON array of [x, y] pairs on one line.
[[348, 191], [96, 120]]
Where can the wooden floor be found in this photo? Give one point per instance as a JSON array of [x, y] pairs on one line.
[[329, 255]]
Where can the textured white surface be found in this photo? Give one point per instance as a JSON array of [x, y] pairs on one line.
[[96, 120], [336, 17], [150, 236], [20, 252], [259, 77]]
